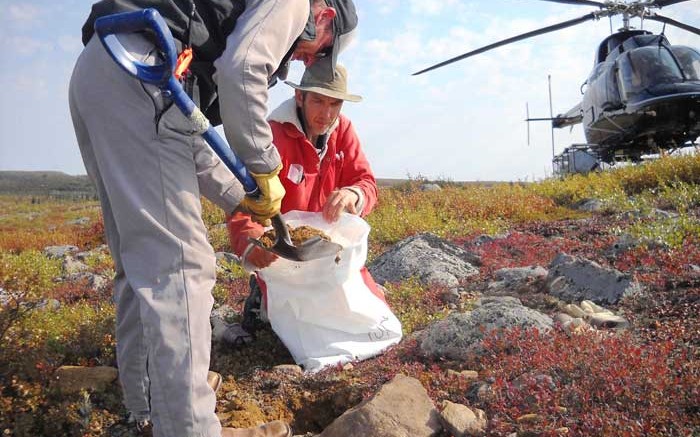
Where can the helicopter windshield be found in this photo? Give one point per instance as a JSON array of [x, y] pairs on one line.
[[643, 68], [690, 61]]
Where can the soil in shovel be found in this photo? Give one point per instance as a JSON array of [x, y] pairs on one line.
[[298, 235]]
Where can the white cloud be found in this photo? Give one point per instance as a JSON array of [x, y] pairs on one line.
[[34, 86], [69, 44], [27, 46], [431, 7], [23, 14], [385, 7]]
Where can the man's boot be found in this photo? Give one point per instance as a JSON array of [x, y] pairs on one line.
[[214, 380], [276, 428]]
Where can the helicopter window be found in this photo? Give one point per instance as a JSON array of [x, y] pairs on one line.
[[646, 67], [689, 60]]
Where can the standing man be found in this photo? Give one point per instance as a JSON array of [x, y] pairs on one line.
[[325, 170], [150, 170]]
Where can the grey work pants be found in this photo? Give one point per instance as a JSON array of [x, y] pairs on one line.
[[149, 171]]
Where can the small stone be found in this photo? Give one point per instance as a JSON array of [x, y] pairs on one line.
[[596, 308], [480, 391], [430, 187], [528, 418], [562, 318], [562, 430], [70, 265], [576, 325], [72, 379], [585, 306], [573, 310], [462, 421], [591, 205], [523, 382], [608, 321], [289, 369], [79, 221], [467, 375], [48, 305], [450, 296]]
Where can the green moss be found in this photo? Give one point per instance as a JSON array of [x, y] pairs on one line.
[[415, 305], [28, 272], [670, 232]]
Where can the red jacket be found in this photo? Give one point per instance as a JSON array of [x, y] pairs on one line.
[[343, 165]]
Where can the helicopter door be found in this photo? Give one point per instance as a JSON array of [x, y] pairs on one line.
[[689, 59], [608, 89]]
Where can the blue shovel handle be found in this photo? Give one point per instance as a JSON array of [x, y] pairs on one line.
[[162, 76]]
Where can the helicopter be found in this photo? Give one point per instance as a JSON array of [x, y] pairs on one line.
[[642, 96]]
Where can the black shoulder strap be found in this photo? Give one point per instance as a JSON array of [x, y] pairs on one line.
[[188, 32]]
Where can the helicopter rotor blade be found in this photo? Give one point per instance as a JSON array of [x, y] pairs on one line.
[[664, 3], [581, 2], [672, 22], [552, 28]]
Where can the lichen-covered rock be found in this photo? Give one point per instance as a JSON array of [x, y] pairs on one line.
[[430, 187], [79, 221], [460, 334], [59, 251], [71, 265], [425, 256], [573, 279], [591, 205], [529, 279]]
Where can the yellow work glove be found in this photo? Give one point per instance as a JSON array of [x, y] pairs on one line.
[[269, 202]]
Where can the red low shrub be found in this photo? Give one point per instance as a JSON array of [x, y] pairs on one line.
[[592, 383]]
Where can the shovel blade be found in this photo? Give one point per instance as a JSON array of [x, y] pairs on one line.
[[311, 249]]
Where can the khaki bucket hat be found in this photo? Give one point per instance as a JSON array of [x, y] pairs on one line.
[[337, 88]]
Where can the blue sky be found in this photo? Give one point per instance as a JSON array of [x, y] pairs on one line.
[[462, 122]]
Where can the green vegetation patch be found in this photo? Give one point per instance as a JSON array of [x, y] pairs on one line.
[[415, 305], [617, 184], [458, 211]]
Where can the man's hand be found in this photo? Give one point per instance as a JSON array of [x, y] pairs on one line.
[[339, 201], [259, 258], [268, 204]]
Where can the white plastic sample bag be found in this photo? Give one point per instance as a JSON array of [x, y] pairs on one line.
[[321, 309]]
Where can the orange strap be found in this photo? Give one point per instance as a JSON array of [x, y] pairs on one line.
[[183, 63]]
